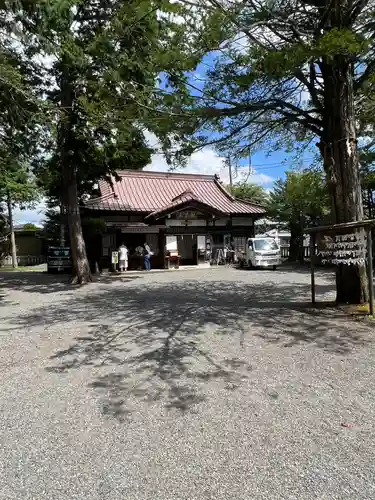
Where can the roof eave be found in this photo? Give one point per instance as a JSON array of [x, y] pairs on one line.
[[159, 214]]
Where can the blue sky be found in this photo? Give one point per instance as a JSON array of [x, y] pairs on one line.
[[266, 167]]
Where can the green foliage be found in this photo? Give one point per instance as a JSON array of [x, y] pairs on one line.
[[3, 222], [302, 193], [249, 191], [93, 226], [105, 57], [97, 86], [16, 182], [30, 227], [20, 112], [272, 68], [300, 200], [51, 225]]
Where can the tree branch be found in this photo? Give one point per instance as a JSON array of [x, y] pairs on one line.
[[234, 132], [356, 10], [286, 109], [369, 71], [309, 84]]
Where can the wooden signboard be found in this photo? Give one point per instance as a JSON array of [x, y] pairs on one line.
[[189, 215], [114, 257], [347, 249]]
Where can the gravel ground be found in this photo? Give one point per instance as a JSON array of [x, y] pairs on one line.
[[207, 384]]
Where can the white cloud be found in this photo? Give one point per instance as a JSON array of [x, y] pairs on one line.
[[242, 174], [202, 162], [205, 162], [261, 178], [33, 216]]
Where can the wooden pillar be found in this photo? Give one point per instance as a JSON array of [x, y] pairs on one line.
[[162, 246], [370, 271], [312, 265]]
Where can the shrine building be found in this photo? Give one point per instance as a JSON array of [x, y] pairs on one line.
[[192, 215]]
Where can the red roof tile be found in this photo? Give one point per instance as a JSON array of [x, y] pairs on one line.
[[143, 191]]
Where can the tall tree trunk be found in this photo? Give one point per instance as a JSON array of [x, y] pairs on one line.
[[338, 148], [341, 165], [81, 268], [11, 228]]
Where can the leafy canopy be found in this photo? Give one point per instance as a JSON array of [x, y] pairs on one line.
[[265, 80], [249, 191], [20, 111], [301, 193]]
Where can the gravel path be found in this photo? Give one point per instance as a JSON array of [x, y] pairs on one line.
[[207, 384]]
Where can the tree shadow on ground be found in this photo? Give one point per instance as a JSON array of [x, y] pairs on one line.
[[33, 281], [325, 272], [162, 342], [44, 283]]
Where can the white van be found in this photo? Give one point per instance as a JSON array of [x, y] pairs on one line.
[[263, 252]]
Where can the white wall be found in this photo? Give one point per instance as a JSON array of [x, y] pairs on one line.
[[171, 243]]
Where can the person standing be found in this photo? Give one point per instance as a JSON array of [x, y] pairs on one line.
[[230, 253], [123, 257], [139, 251], [147, 255]]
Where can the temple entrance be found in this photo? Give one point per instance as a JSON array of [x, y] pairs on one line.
[[187, 249], [191, 248]]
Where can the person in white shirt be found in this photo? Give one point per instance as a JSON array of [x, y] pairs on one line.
[[147, 256], [123, 257]]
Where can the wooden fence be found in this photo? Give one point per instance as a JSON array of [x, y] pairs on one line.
[[285, 252], [24, 260]]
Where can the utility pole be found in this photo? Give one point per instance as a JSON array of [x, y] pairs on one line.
[[250, 162], [11, 228], [250, 171], [230, 173]]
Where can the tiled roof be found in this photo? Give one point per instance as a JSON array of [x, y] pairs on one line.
[[186, 199], [147, 192]]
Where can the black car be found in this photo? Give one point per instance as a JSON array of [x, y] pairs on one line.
[[59, 260]]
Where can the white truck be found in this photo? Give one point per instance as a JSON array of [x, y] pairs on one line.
[[262, 252]]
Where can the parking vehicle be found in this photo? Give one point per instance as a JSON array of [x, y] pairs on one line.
[[262, 252], [59, 260]]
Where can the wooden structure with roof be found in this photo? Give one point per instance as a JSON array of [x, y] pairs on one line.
[[187, 213], [346, 250]]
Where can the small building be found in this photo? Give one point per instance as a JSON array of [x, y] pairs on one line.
[[283, 237], [30, 246], [193, 215]]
